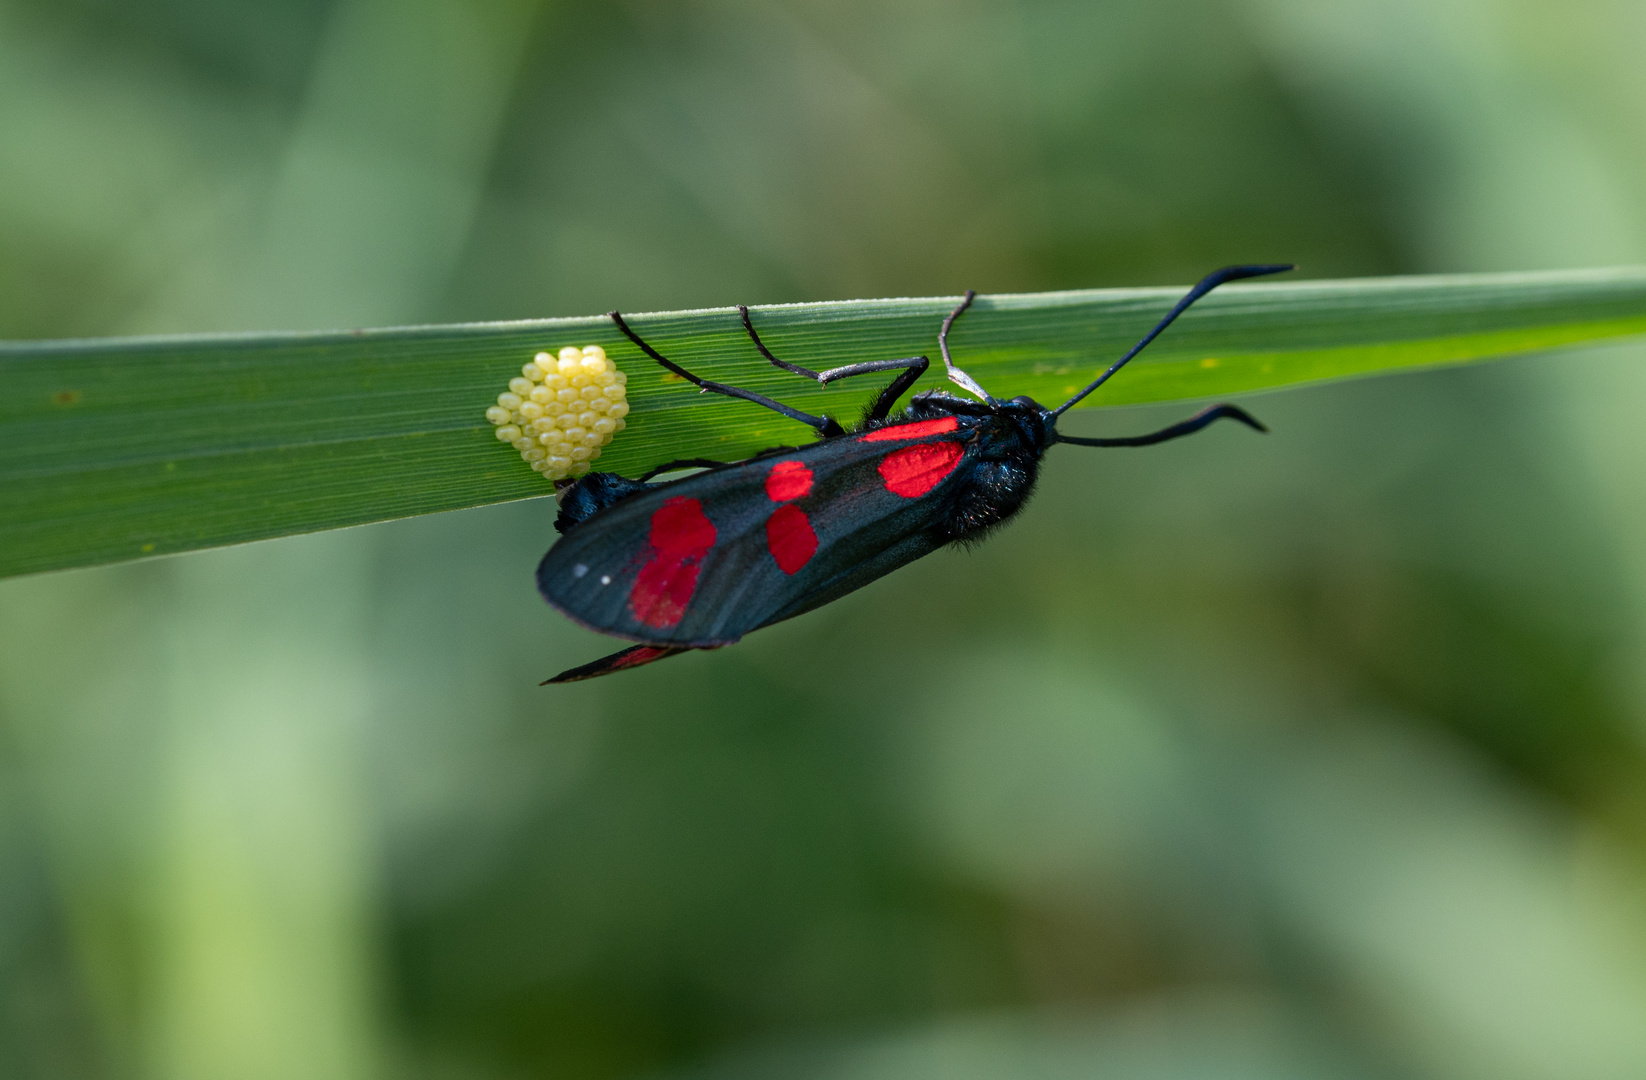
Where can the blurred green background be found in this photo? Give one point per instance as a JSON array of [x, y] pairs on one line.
[[1315, 755]]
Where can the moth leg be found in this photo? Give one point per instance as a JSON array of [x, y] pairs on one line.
[[1176, 431], [706, 463], [956, 376], [822, 424], [912, 368], [888, 397], [681, 463]]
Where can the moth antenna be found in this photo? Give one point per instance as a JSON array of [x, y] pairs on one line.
[[1193, 424], [1207, 284]]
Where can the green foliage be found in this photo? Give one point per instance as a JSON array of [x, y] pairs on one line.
[[1315, 755], [117, 449]]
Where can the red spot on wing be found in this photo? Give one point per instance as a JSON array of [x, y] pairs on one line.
[[915, 471], [790, 538], [680, 537], [788, 480], [916, 430]]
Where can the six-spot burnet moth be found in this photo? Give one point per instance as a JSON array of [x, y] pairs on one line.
[[697, 562]]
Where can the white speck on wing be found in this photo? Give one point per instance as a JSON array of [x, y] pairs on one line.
[[605, 579], [579, 570]]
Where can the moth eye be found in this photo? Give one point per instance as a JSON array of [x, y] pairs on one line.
[[561, 409]]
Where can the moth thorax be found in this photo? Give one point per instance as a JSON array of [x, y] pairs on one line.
[[993, 491]]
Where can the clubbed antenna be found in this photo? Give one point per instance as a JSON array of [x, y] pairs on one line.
[[1207, 284]]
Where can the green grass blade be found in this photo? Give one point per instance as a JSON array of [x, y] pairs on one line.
[[118, 449]]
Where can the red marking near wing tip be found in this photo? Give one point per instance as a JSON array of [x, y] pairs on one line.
[[790, 538], [916, 430], [680, 537], [788, 480], [640, 654], [913, 472]]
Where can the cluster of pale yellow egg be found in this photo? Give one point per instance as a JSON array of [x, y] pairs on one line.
[[562, 410]]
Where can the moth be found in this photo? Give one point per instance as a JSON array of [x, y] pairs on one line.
[[700, 561]]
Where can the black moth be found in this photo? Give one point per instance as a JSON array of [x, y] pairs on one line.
[[698, 562]]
